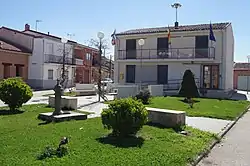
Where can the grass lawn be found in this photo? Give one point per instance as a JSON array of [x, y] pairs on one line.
[[22, 139], [214, 108]]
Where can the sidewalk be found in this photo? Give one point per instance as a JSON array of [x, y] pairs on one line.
[[234, 149]]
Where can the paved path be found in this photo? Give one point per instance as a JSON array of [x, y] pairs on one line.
[[234, 150]]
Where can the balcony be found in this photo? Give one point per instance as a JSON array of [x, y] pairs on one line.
[[59, 60], [171, 53]]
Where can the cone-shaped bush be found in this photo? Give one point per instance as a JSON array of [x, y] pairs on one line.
[[188, 86]]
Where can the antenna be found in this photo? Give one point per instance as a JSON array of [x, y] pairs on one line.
[[70, 35], [37, 21]]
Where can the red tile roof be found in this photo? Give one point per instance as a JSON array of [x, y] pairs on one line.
[[10, 46], [241, 65], [181, 28], [39, 34], [19, 32]]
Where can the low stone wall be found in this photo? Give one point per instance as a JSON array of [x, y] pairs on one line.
[[125, 91], [156, 90], [167, 118], [66, 102]]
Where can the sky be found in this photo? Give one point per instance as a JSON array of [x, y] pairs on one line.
[[84, 18]]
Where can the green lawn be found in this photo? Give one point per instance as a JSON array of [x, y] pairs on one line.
[[214, 108], [22, 139]]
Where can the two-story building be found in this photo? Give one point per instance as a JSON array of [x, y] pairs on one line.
[[163, 60], [45, 64], [84, 69]]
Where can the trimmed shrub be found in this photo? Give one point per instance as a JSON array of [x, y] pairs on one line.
[[188, 86], [144, 96], [125, 117], [14, 92]]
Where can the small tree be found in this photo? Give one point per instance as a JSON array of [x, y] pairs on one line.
[[188, 86], [143, 96], [125, 117], [14, 92]]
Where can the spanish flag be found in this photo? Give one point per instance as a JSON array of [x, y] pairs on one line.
[[169, 36]]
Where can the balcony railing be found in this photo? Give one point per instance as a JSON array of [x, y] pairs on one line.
[[59, 59], [171, 53]]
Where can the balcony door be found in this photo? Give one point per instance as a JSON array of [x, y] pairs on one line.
[[162, 47], [131, 49], [162, 74], [201, 46], [211, 76]]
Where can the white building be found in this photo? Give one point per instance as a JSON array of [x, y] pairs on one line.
[[45, 64], [158, 62]]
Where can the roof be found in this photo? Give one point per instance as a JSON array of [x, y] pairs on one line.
[[39, 34], [20, 32], [84, 46], [10, 46], [181, 28], [241, 65]]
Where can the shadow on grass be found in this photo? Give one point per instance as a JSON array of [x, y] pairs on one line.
[[126, 142], [185, 101], [9, 112], [44, 123]]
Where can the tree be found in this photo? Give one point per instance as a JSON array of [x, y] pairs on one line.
[[188, 86]]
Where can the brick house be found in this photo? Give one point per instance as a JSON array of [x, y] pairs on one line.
[[241, 76], [14, 60], [84, 67]]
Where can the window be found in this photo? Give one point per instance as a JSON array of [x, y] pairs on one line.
[[130, 73], [50, 74], [88, 56], [201, 46], [18, 70], [131, 48], [49, 48], [162, 47]]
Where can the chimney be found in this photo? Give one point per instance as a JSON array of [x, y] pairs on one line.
[[176, 24], [27, 27], [48, 33]]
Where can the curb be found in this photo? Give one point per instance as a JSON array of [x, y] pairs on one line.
[[220, 136]]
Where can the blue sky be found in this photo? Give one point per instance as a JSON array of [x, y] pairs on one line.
[[85, 18]]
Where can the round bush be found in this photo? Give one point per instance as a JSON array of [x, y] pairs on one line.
[[125, 117], [14, 92]]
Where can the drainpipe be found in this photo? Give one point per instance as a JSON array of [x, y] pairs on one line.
[[222, 62], [43, 66]]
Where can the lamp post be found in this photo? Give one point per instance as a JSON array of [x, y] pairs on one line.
[[100, 35], [176, 6], [141, 42], [248, 61], [58, 87]]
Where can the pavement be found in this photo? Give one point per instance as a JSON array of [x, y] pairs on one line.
[[234, 148]]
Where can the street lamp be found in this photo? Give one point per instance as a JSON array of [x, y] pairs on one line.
[[141, 42], [176, 6], [58, 87], [248, 61], [64, 41], [100, 35]]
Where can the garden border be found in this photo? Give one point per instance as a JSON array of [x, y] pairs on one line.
[[220, 136]]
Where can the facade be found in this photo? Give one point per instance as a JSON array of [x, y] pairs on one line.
[[158, 62], [84, 68], [107, 68], [45, 64], [242, 76], [14, 60]]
